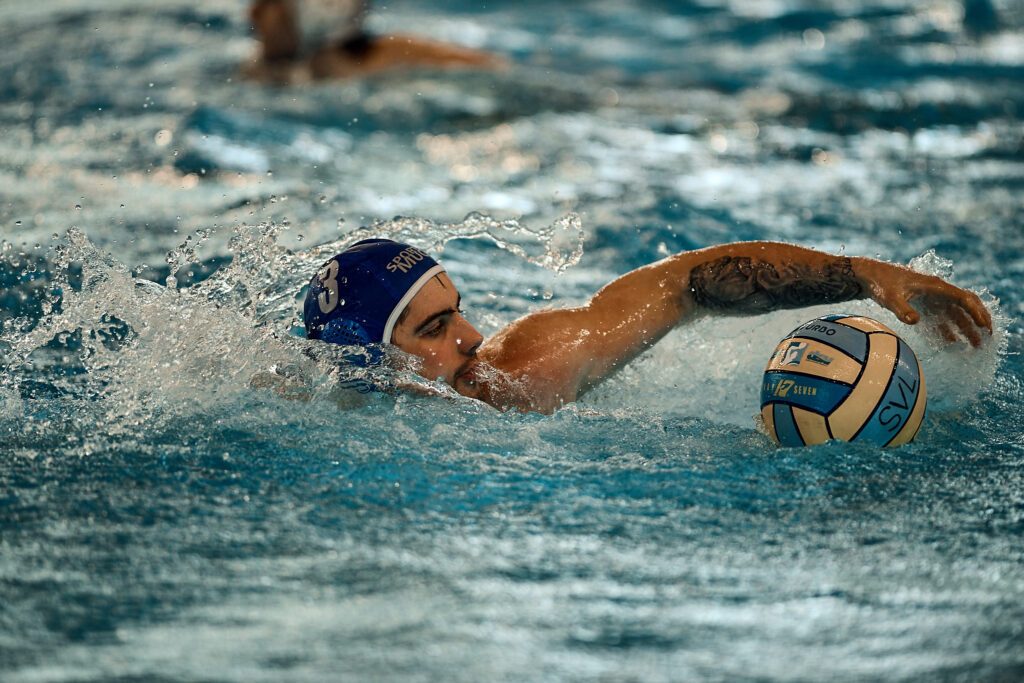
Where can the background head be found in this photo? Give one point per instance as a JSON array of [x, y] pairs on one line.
[[290, 28]]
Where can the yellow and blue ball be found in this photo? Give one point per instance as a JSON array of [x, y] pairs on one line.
[[843, 377]]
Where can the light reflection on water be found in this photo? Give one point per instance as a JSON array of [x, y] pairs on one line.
[[160, 519]]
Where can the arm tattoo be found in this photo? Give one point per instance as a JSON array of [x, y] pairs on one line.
[[745, 285]]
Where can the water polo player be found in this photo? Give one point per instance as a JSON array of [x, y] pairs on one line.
[[313, 39], [384, 292]]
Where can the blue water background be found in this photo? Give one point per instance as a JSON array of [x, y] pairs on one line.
[[161, 520]]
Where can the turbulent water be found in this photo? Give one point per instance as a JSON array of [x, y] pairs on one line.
[[162, 519]]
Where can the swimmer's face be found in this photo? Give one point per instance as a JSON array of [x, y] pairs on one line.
[[434, 330]]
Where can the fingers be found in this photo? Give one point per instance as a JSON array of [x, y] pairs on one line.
[[903, 310], [970, 315], [958, 310], [979, 313], [966, 325], [946, 332]]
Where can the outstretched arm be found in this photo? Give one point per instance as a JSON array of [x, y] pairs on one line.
[[559, 354]]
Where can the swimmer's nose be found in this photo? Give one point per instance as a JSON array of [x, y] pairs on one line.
[[469, 340], [473, 349]]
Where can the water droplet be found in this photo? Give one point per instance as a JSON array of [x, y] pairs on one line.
[[341, 302], [298, 238], [323, 199], [78, 207]]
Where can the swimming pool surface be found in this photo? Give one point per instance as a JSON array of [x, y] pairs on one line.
[[160, 520]]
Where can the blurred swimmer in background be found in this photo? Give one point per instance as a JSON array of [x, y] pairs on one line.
[[302, 40]]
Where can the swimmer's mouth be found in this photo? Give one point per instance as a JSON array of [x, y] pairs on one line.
[[466, 372]]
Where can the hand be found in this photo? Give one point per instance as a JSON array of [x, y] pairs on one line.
[[948, 307]]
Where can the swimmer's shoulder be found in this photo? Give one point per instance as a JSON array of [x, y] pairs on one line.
[[372, 54], [410, 50], [377, 54], [540, 355]]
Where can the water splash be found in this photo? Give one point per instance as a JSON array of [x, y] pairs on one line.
[[263, 278], [185, 253], [139, 353]]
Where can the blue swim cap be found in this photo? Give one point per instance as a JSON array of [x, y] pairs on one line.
[[357, 297]]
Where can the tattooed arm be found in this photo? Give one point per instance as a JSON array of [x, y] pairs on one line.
[[751, 285], [558, 354]]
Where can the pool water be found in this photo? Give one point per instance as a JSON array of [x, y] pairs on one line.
[[160, 519]]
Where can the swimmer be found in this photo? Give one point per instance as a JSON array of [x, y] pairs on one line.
[[383, 292], [302, 40]]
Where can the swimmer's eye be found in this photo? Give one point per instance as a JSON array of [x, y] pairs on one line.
[[434, 330]]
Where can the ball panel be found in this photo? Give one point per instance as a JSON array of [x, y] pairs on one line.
[[768, 415], [812, 393], [847, 419], [797, 354], [785, 426], [899, 400], [913, 425], [848, 340], [812, 427], [863, 324]]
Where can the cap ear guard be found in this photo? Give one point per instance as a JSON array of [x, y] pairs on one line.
[[346, 332]]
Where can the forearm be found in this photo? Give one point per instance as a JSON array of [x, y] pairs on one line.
[[757, 277]]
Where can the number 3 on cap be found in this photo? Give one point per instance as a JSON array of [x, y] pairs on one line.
[[328, 298]]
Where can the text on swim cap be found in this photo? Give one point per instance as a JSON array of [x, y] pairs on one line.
[[406, 259], [328, 298]]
